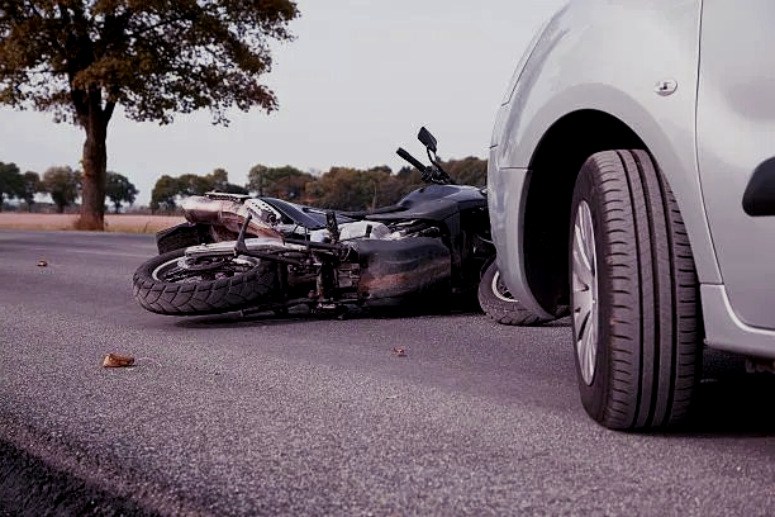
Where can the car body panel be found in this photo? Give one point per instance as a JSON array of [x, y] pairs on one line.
[[572, 68], [506, 192], [611, 57], [725, 331], [735, 134]]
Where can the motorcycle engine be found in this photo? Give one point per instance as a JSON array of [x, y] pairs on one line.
[[396, 269]]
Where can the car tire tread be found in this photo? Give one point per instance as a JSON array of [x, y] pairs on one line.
[[649, 326]]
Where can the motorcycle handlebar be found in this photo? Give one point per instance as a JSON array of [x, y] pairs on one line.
[[403, 153]]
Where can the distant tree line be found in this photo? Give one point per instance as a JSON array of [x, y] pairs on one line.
[[343, 188], [168, 190], [63, 184]]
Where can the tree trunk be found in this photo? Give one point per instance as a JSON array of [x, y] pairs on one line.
[[95, 160]]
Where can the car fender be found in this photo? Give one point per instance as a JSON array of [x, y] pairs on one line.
[[648, 81]]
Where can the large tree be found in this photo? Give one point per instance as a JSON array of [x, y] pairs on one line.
[[82, 58]]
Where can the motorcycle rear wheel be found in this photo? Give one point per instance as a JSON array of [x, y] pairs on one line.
[[498, 303], [224, 284]]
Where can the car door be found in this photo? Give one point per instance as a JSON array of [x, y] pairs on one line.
[[735, 138]]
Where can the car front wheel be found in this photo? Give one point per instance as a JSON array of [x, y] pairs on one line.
[[634, 295]]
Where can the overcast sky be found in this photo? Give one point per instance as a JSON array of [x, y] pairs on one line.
[[360, 79]]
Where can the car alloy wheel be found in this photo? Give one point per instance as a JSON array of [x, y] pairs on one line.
[[584, 285]]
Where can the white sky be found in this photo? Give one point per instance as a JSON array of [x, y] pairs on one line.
[[359, 80]]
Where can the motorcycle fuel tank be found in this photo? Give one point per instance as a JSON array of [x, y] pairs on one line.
[[434, 203]]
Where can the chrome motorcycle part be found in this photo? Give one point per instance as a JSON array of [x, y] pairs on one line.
[[231, 215]]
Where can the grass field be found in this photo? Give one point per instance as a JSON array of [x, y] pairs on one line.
[[119, 223]]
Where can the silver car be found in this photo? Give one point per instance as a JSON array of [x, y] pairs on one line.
[[632, 179]]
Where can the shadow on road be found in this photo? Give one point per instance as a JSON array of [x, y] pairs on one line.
[[731, 402], [303, 315], [29, 486], [237, 321]]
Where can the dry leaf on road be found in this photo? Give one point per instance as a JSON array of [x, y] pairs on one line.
[[118, 361], [400, 352]]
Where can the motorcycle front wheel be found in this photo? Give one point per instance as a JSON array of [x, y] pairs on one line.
[[165, 285]]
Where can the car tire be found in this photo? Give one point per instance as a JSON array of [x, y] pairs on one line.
[[634, 295], [498, 304]]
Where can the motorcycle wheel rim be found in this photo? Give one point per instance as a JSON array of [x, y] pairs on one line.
[[500, 290], [176, 271]]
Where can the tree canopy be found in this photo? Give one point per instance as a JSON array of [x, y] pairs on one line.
[[31, 186], [120, 190], [168, 189], [343, 188], [281, 182], [64, 186], [81, 58], [165, 193], [11, 182], [468, 171]]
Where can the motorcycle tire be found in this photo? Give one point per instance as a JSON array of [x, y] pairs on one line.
[[498, 304], [225, 285]]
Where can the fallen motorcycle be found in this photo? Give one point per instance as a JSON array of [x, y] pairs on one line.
[[240, 253]]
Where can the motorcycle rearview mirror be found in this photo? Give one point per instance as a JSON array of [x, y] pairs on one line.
[[427, 139]]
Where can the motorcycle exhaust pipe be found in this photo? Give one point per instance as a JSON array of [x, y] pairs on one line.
[[230, 215]]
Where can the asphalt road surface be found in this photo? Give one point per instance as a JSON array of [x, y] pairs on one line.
[[306, 416]]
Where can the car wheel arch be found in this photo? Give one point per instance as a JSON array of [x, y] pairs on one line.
[[554, 167]]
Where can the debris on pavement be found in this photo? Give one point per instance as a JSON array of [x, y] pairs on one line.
[[42, 263], [118, 361], [399, 352]]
